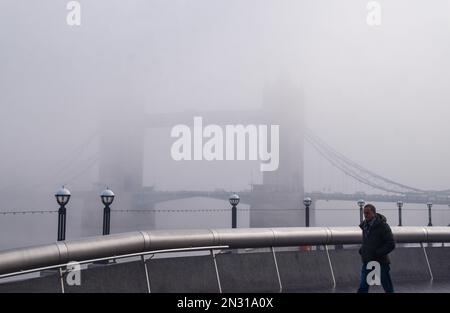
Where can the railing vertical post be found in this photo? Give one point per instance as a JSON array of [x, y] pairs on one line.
[[217, 270], [61, 279], [277, 269], [146, 274], [331, 266]]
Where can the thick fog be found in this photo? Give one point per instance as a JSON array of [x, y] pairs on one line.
[[378, 94]]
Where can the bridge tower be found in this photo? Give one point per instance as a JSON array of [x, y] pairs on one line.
[[279, 199], [121, 152], [122, 166]]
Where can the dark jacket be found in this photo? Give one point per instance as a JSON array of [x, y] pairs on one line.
[[378, 241]]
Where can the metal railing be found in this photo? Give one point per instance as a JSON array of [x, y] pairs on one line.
[[99, 247], [61, 267]]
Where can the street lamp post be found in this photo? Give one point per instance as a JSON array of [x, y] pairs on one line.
[[107, 197], [62, 197], [399, 205], [429, 205], [307, 202], [361, 204], [234, 201]]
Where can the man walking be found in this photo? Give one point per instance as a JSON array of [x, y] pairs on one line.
[[377, 243]]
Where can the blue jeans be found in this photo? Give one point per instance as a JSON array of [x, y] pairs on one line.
[[385, 278]]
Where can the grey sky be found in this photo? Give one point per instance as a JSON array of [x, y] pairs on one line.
[[379, 95]]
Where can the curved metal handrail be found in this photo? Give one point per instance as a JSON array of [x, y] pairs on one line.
[[114, 257], [141, 241]]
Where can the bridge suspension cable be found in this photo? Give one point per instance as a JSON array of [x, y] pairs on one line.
[[357, 171], [345, 169]]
